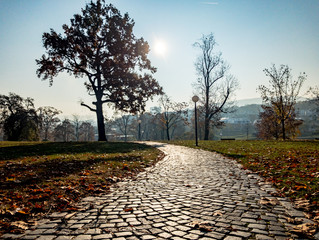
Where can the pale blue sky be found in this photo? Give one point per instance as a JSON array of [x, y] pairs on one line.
[[252, 34]]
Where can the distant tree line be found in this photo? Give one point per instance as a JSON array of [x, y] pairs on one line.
[[21, 121]]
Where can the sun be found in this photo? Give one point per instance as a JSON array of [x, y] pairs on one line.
[[160, 47]]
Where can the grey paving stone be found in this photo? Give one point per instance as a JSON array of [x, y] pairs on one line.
[[37, 231], [232, 238], [258, 226], [123, 234], [263, 237], [240, 234], [63, 238], [148, 237], [102, 236], [46, 237], [76, 226], [27, 237], [93, 231], [179, 233], [165, 235], [49, 232], [83, 237], [10, 236]]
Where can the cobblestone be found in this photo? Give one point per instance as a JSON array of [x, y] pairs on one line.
[[190, 188]]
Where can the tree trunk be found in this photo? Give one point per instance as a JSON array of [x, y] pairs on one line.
[[46, 133], [206, 129], [206, 124], [100, 121], [283, 129], [125, 135], [167, 132]]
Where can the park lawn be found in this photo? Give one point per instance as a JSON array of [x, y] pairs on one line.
[[38, 178], [291, 166]]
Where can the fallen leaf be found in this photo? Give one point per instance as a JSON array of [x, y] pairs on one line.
[[306, 228], [20, 224], [294, 220], [269, 201], [128, 210], [217, 213], [202, 226]]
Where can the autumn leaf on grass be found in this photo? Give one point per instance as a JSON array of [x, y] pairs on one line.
[[125, 167], [303, 204], [10, 179], [85, 173], [72, 208], [299, 187], [38, 208]]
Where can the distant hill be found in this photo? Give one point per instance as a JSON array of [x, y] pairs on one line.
[[249, 112], [248, 101]]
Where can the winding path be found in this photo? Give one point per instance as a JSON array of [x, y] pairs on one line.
[[191, 194]]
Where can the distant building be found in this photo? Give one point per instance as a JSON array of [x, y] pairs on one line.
[[236, 120]]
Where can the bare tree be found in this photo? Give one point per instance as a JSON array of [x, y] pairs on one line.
[[86, 131], [215, 86], [64, 131], [172, 114], [269, 124], [282, 93], [77, 123], [48, 120], [123, 123], [314, 91]]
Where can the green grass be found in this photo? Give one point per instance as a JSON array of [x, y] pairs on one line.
[[292, 166], [37, 178]]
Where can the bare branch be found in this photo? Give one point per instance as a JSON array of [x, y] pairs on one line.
[[91, 109]]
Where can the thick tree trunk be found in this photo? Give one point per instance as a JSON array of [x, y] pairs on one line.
[[100, 121]]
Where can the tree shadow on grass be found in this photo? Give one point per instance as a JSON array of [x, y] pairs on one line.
[[41, 171], [236, 156], [51, 148]]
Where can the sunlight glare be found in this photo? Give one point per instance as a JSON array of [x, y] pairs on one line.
[[160, 47]]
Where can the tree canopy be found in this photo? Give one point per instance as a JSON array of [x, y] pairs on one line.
[[99, 44]]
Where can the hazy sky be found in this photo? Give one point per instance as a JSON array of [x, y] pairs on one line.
[[251, 34]]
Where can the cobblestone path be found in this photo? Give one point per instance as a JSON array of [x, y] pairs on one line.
[[191, 194]]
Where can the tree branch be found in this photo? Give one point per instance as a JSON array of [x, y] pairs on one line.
[[91, 109]]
